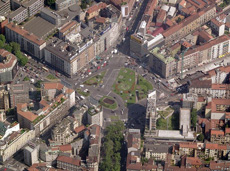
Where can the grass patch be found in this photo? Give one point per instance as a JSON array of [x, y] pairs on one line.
[[26, 78], [173, 122], [51, 77], [125, 85], [79, 91], [143, 86], [35, 121], [165, 112], [108, 102], [96, 79]]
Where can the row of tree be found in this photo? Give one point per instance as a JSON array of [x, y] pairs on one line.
[[14, 48], [112, 145]]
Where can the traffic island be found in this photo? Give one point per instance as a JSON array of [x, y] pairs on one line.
[[108, 102], [95, 80]]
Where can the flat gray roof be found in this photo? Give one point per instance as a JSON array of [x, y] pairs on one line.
[[16, 12], [39, 27]]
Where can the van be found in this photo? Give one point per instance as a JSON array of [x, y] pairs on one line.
[[82, 97], [82, 86]]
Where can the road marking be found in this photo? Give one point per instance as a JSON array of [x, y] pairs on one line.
[[108, 93]]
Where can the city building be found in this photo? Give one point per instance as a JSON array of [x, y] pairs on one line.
[[163, 63], [19, 93], [173, 34], [27, 9], [69, 59], [125, 6], [28, 42], [63, 132], [68, 163], [151, 113], [8, 66], [94, 10], [4, 103], [56, 101], [95, 115], [4, 7], [14, 142], [133, 140], [191, 149], [158, 152], [31, 153], [215, 151], [94, 139], [218, 27], [63, 4]]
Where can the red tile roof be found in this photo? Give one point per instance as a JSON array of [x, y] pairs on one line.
[[66, 147], [25, 114], [50, 85], [217, 132], [79, 129], [188, 145], [25, 34], [9, 62], [195, 161], [69, 160], [68, 26], [216, 102]]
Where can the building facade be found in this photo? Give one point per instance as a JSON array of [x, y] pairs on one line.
[[28, 42], [8, 66]]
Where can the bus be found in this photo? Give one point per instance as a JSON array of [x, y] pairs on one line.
[[46, 69]]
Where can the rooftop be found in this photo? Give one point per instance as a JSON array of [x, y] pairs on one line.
[[39, 27], [7, 59], [161, 55], [25, 34]]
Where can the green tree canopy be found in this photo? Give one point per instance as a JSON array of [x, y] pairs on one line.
[[194, 118], [2, 38], [200, 137], [50, 2], [8, 48], [15, 47], [112, 147]]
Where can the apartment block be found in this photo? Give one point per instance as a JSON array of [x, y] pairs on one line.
[[173, 34], [15, 141], [95, 116], [26, 10], [56, 100], [215, 151], [69, 59], [68, 163], [164, 64], [8, 66], [190, 149], [4, 7], [63, 132], [28, 41]]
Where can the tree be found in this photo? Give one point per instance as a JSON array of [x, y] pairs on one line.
[[15, 47], [2, 38], [1, 44], [194, 118], [112, 147], [200, 137], [21, 58], [8, 48], [50, 2], [38, 84]]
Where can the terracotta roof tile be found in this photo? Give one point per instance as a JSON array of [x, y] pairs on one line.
[[9, 62], [25, 34], [79, 129], [57, 86], [69, 160]]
